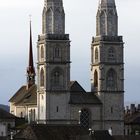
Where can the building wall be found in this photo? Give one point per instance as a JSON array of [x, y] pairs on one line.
[[95, 112], [2, 130], [5, 125]]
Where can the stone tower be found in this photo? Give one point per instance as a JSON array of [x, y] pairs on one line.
[[53, 65], [107, 67], [30, 68]]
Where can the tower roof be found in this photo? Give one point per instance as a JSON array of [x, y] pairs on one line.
[[107, 3], [30, 68], [31, 63]]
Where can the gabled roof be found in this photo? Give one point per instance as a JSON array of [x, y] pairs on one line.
[[19, 94], [25, 96], [79, 96], [6, 115], [76, 87]]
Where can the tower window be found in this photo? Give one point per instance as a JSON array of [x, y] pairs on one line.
[[111, 110], [42, 77], [42, 52], [84, 118], [21, 114], [111, 54], [57, 109], [57, 52], [95, 79], [96, 55], [111, 79], [57, 78]]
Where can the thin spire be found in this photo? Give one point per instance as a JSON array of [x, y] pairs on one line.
[[31, 64], [30, 69]]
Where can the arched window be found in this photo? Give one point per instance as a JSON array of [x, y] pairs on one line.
[[42, 77], [96, 55], [21, 114], [57, 52], [42, 52], [85, 118], [111, 54], [111, 79], [57, 78], [95, 79]]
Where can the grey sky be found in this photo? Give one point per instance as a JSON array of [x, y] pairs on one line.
[[80, 24]]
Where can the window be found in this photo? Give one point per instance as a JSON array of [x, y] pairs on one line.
[[57, 109], [95, 79], [111, 79], [56, 78], [42, 52], [84, 118], [111, 110], [21, 114], [42, 97], [96, 55], [42, 78], [111, 54], [57, 52]]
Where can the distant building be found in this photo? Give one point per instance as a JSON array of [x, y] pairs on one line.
[[59, 101], [7, 121], [132, 120]]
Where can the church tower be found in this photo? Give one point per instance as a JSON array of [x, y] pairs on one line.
[[53, 65], [107, 67], [30, 68]]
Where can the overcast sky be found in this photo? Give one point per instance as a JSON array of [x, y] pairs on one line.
[[80, 24]]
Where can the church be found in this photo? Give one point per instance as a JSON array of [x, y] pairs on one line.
[[55, 98]]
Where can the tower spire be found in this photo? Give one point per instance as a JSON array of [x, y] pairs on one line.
[[107, 19], [30, 68]]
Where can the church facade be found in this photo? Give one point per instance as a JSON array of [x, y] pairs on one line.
[[62, 101]]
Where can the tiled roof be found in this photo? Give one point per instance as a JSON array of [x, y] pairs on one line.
[[3, 138], [52, 132], [102, 135], [25, 96], [84, 98], [19, 94], [6, 115], [132, 118], [126, 137]]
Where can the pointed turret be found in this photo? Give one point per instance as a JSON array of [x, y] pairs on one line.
[[30, 68], [107, 19], [53, 17]]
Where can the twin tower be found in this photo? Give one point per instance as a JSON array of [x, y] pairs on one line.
[[62, 101]]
